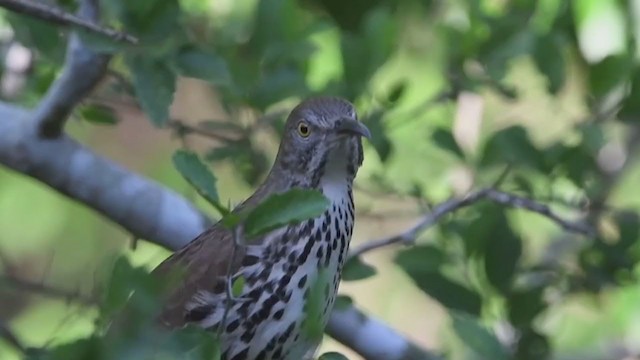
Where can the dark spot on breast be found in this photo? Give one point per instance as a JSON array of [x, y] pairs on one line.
[[233, 325], [242, 355], [302, 282], [198, 313], [319, 253], [278, 314], [249, 260]]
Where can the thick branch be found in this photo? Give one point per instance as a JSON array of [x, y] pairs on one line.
[[141, 206], [55, 15], [449, 206], [82, 70], [373, 339]]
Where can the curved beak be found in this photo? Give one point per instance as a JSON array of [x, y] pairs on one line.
[[353, 127]]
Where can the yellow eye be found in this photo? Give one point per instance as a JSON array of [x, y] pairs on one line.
[[303, 129]]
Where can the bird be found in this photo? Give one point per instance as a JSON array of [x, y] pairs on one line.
[[321, 148]]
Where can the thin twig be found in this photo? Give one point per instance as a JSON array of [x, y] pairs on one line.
[[46, 290], [55, 15], [229, 286], [11, 338], [183, 128], [449, 206], [83, 69]]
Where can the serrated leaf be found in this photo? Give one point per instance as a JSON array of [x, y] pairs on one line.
[[290, 207], [354, 269], [204, 65], [154, 84], [97, 114], [332, 356], [444, 139], [478, 338], [198, 175]]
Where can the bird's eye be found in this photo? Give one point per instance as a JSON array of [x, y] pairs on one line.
[[303, 129]]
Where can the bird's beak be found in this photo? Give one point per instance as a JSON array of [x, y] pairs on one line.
[[353, 127]]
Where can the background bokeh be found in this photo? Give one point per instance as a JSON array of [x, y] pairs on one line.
[[542, 95]]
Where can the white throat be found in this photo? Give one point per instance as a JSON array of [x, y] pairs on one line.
[[334, 181]]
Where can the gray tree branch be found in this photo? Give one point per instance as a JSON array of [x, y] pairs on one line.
[[83, 69], [409, 236]]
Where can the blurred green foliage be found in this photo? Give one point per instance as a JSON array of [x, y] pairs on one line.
[[409, 66]]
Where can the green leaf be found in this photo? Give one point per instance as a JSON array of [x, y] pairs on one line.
[[332, 356], [422, 258], [154, 84], [198, 175], [610, 73], [238, 286], [449, 293], [524, 306], [291, 207], [502, 253], [355, 269], [512, 146], [343, 302], [478, 338], [100, 115], [444, 139], [205, 65], [379, 138], [548, 57]]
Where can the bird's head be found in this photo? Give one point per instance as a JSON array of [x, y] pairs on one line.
[[322, 135]]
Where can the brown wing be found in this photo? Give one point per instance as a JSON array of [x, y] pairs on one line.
[[198, 266]]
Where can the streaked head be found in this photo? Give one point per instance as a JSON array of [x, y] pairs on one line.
[[321, 132]]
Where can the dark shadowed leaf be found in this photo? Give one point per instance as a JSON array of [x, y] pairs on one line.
[[355, 269], [342, 302], [548, 57], [290, 207], [421, 258], [198, 175], [502, 253], [204, 65], [396, 92], [609, 73], [524, 306], [443, 138], [154, 84], [630, 111], [379, 138], [97, 114], [452, 295], [512, 146], [332, 356], [532, 346], [477, 337]]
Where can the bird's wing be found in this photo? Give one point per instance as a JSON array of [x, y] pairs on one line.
[[199, 266]]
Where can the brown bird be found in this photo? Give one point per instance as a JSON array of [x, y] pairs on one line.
[[321, 149]]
